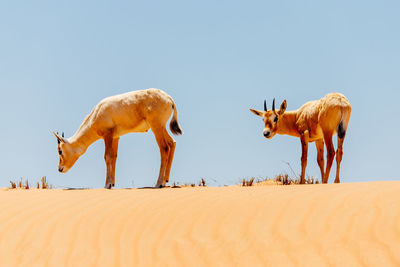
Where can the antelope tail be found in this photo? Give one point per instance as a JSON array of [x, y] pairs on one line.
[[341, 131], [342, 127], [174, 124]]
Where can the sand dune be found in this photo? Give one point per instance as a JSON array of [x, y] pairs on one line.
[[310, 225]]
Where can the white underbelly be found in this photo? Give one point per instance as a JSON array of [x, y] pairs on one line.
[[142, 127]]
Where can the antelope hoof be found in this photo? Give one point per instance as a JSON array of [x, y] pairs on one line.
[[109, 186]]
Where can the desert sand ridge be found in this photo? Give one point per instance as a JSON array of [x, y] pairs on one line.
[[355, 224]]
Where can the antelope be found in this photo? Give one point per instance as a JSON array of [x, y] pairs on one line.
[[112, 117], [316, 121]]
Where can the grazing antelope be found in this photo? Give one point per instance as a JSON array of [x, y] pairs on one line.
[[316, 121], [114, 116]]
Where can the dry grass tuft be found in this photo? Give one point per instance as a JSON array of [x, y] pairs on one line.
[[280, 179], [45, 185], [283, 179], [248, 182], [286, 180], [312, 180], [25, 185], [13, 185], [202, 182], [20, 185]]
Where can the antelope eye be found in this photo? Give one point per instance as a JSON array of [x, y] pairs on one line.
[[59, 152], [276, 119]]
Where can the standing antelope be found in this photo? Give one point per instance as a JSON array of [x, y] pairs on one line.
[[316, 121], [114, 116]]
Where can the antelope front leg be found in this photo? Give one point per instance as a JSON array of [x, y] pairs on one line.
[[164, 152], [114, 159], [110, 157], [304, 151]]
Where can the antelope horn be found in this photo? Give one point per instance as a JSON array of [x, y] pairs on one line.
[[273, 105], [59, 138], [265, 105], [56, 135]]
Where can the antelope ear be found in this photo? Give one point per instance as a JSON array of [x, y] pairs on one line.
[[59, 138], [257, 112], [283, 107]]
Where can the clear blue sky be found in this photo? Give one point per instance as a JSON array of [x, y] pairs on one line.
[[216, 59]]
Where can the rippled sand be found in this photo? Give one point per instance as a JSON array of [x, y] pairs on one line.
[[309, 225]]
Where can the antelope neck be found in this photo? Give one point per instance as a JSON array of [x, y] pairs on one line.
[[83, 138], [288, 124]]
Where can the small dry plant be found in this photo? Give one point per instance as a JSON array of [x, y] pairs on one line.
[[286, 180], [280, 179], [202, 182], [25, 185], [20, 184], [248, 182], [45, 185], [312, 180], [13, 185]]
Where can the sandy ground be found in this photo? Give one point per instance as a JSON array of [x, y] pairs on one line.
[[310, 225]]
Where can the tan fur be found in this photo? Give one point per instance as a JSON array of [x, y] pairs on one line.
[[114, 116], [316, 121]]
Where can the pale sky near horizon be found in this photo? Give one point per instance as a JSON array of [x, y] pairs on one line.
[[217, 59]]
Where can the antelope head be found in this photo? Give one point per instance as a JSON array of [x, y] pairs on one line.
[[271, 118], [68, 157]]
